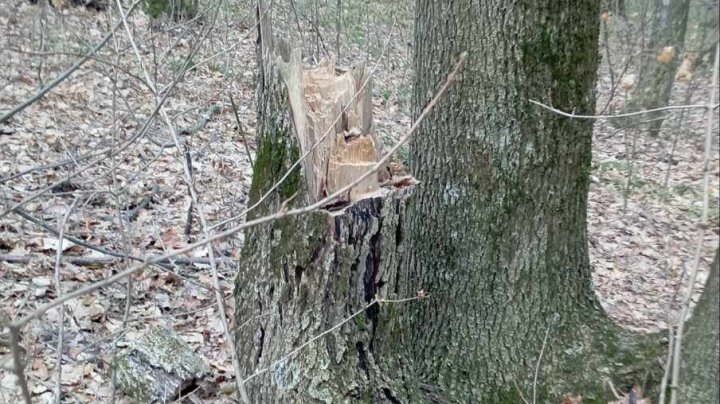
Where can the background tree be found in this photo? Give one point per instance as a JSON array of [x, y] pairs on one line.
[[660, 60]]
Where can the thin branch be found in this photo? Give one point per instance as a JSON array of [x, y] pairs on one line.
[[79, 171], [668, 365], [649, 111], [94, 260], [52, 165], [537, 366], [215, 279], [241, 130], [237, 44], [166, 92], [103, 261], [58, 291], [255, 222], [520, 393], [160, 261], [89, 56]]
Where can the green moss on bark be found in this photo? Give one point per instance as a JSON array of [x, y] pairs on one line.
[[274, 157]]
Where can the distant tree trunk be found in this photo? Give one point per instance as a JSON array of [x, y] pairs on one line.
[[700, 374], [660, 61], [495, 232]]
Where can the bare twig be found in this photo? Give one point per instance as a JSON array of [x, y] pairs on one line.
[[537, 366], [58, 291], [238, 42], [240, 128], [94, 58], [166, 93], [520, 393], [103, 261], [649, 111], [668, 365], [93, 260], [617, 395], [123, 230], [215, 279], [701, 238], [102, 157]]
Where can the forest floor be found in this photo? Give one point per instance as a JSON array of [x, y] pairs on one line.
[[643, 237]]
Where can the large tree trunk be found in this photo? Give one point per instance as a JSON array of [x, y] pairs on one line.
[[495, 232], [660, 62], [700, 365]]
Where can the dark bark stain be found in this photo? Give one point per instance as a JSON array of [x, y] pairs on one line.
[[362, 358], [261, 345], [390, 396]]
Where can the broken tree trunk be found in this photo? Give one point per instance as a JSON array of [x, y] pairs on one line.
[[302, 275]]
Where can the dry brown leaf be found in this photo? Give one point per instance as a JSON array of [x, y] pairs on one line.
[[39, 369], [667, 55]]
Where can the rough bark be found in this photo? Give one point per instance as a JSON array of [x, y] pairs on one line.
[[497, 229], [700, 366], [158, 367], [660, 62]]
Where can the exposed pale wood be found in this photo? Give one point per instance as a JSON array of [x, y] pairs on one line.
[[346, 147]]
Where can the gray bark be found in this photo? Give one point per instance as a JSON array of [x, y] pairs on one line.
[[158, 367], [700, 374], [497, 231]]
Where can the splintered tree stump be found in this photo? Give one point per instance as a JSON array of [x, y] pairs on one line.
[[299, 276]]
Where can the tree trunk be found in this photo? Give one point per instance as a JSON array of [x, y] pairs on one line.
[[660, 61], [495, 232], [700, 375], [302, 275]]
